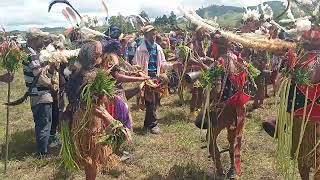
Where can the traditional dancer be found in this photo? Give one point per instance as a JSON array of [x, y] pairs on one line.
[[110, 61], [230, 92], [198, 47], [304, 94], [94, 131]]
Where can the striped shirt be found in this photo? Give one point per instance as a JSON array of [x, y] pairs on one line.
[[40, 93], [153, 53]]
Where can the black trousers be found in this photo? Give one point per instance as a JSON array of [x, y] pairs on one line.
[[57, 109], [42, 116], [151, 104], [55, 117]]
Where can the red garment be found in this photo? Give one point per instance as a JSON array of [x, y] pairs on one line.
[[240, 98], [214, 50], [221, 61], [292, 58], [311, 35], [313, 93], [314, 105], [311, 58], [240, 58], [111, 110]]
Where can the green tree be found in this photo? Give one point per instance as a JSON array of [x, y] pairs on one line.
[[173, 19], [165, 20]]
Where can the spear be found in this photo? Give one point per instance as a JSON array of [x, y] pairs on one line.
[[9, 50], [7, 123], [7, 129]]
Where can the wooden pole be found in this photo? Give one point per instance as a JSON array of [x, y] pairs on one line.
[[7, 129]]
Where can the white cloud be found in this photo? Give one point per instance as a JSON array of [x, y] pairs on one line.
[[22, 14]]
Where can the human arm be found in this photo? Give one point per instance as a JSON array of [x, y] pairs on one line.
[[125, 78], [166, 65], [41, 71]]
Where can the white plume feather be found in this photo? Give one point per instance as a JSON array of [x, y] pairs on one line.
[[70, 53], [67, 72], [132, 24], [303, 25], [289, 14], [45, 56], [254, 14], [306, 2], [91, 33], [266, 11]]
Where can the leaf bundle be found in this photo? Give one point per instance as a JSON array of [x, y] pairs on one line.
[[208, 76], [68, 151], [116, 137]]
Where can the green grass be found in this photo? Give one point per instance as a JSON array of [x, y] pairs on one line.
[[175, 154]]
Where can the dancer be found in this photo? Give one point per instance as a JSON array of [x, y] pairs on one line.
[[92, 125], [197, 45], [110, 61]]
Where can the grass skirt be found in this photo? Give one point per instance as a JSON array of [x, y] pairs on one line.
[[89, 151]]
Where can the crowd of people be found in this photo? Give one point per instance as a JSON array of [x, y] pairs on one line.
[[222, 73]]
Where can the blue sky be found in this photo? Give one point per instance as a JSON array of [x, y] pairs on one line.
[[23, 14]]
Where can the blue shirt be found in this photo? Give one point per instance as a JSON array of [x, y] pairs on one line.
[[153, 53]]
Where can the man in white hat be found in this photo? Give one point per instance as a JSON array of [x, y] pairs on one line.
[[150, 57], [40, 75]]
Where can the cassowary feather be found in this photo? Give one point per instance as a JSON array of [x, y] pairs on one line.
[[63, 2]]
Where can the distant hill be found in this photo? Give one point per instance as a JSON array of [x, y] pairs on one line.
[[230, 16], [54, 30], [216, 10]]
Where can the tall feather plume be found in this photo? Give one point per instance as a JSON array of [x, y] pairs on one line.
[[62, 2], [72, 14], [66, 15], [290, 15], [90, 32], [105, 7], [144, 21], [132, 24]]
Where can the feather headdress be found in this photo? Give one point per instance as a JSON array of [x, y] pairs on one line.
[[251, 14], [250, 40]]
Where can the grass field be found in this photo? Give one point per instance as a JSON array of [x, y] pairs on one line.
[[175, 154]]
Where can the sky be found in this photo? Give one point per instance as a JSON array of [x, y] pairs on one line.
[[24, 14]]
